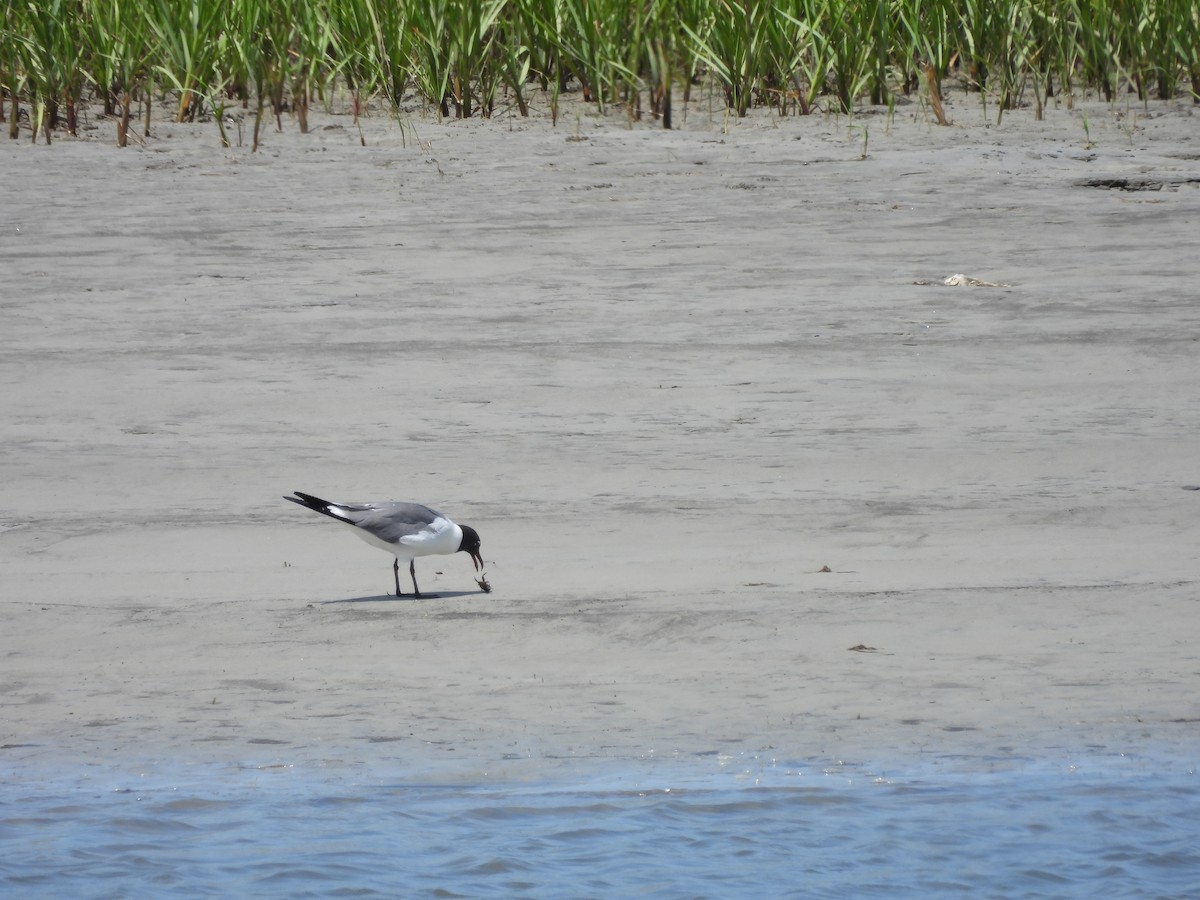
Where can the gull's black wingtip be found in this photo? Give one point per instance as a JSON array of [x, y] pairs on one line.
[[316, 504], [308, 499]]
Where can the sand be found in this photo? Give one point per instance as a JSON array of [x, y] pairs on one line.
[[670, 377]]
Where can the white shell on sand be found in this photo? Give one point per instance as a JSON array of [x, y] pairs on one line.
[[968, 281]]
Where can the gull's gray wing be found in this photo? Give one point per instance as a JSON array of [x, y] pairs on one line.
[[392, 521]]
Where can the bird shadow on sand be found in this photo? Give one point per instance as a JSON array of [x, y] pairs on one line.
[[408, 598]]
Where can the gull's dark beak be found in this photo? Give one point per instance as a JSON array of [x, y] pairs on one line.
[[470, 544]]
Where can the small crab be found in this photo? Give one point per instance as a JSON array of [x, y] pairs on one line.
[[484, 584]]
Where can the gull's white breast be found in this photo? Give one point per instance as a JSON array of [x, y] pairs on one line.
[[441, 536]]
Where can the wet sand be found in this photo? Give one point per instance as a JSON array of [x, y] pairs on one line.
[[669, 377]]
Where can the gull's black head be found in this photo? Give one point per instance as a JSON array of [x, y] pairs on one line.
[[470, 544]]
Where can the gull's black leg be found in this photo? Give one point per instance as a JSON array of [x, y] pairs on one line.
[[396, 572], [412, 570]]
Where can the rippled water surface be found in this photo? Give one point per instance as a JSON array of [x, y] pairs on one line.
[[1118, 830]]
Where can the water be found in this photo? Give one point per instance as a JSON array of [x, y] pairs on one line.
[[1116, 828]]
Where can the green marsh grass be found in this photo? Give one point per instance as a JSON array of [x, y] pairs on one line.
[[467, 58]]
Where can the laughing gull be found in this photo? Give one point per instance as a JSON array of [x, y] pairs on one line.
[[406, 530]]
